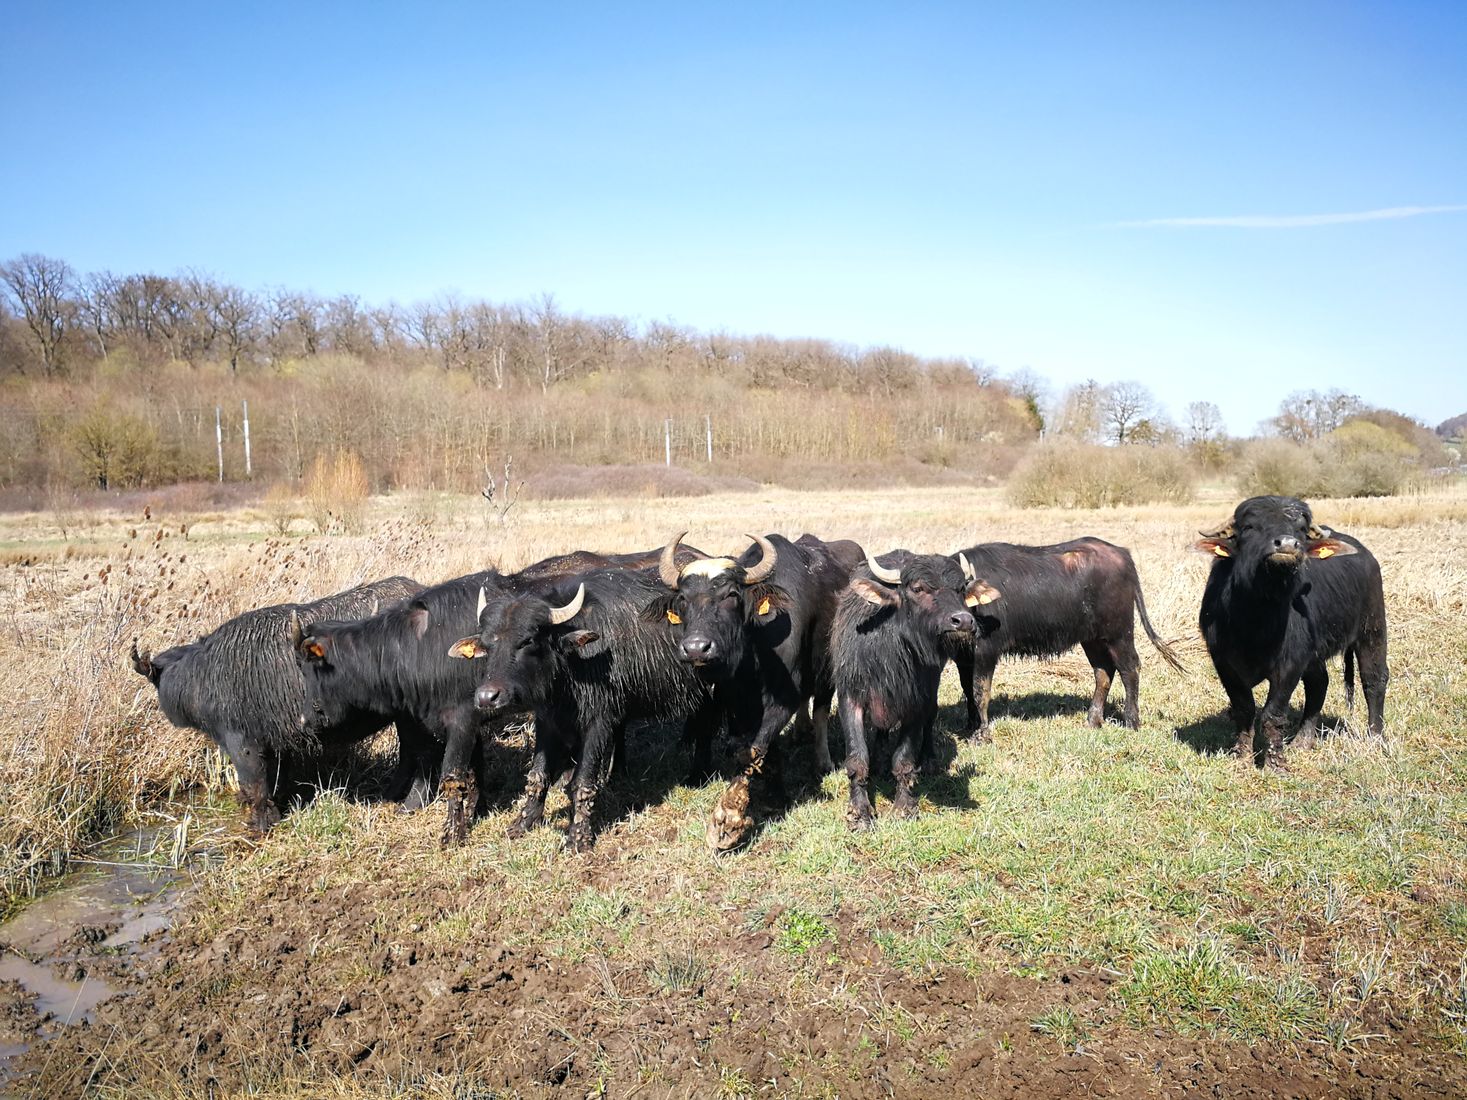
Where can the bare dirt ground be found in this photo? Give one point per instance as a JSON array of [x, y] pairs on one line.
[[1076, 913]]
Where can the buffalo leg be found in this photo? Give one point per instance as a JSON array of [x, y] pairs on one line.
[[1241, 709], [1374, 676], [859, 814], [550, 758], [699, 728], [414, 777], [1274, 717], [1129, 662], [459, 786], [976, 677], [256, 767], [1316, 684], [762, 780], [586, 784], [904, 768], [1105, 670]]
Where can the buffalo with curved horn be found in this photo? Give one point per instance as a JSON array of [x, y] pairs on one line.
[[759, 627]]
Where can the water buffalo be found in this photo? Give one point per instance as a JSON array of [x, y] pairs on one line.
[[241, 687], [1284, 595]]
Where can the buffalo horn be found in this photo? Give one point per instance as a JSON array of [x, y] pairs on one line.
[[968, 574], [881, 572], [565, 614], [667, 564], [766, 565], [1223, 532], [1317, 532], [483, 603], [296, 633]]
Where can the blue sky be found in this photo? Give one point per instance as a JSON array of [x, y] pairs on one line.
[[995, 181]]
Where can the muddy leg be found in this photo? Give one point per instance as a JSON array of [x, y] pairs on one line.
[[904, 771], [255, 764], [1241, 710], [977, 680], [1129, 662], [550, 758], [586, 785], [1374, 676], [859, 814], [1273, 718], [1105, 670], [459, 787]]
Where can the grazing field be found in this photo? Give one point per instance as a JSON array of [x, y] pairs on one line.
[[1075, 912]]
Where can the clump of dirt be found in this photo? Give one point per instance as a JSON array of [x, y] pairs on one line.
[[309, 980]]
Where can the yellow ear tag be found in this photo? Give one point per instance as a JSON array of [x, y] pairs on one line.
[[1220, 551], [314, 650], [971, 600], [465, 648], [673, 617], [1324, 552], [988, 597], [764, 606]]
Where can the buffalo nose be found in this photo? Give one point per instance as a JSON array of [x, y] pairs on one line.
[[697, 648], [488, 698], [961, 620], [1287, 542]]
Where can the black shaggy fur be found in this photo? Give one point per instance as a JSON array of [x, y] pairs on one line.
[[584, 679], [1283, 597], [396, 667], [889, 646], [1054, 598], [241, 687]]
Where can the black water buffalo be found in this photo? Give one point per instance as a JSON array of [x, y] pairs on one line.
[[1055, 597], [242, 688], [1283, 596], [758, 626], [396, 667], [894, 628], [586, 664]]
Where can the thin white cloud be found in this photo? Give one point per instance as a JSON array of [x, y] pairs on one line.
[[1293, 221]]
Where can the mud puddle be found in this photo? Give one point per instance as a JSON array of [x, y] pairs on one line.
[[62, 955]]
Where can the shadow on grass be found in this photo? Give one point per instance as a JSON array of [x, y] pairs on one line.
[[1216, 735]]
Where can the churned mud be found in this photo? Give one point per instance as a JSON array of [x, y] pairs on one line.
[[318, 984]]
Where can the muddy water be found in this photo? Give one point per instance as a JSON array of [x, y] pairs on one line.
[[57, 953]]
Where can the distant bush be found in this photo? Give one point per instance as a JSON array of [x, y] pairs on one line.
[[1277, 467], [117, 450], [336, 493], [1080, 476], [1358, 459]]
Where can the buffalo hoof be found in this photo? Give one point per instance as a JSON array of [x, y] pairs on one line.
[[983, 735], [904, 810], [262, 818], [732, 821], [580, 840], [861, 823], [1275, 762], [460, 798], [1306, 740]]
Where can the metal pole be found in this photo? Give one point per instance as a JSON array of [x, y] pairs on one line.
[[667, 439], [708, 427], [249, 469], [219, 438]]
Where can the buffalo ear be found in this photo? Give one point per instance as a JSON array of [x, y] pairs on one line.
[[979, 593], [875, 593], [313, 648], [660, 610], [1215, 546], [468, 648], [575, 641], [767, 601], [1328, 547], [419, 618]]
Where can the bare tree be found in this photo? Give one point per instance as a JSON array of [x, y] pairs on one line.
[[502, 493], [1204, 423], [235, 315], [1309, 414], [1077, 415], [40, 287], [1125, 406]]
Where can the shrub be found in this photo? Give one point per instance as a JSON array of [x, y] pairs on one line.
[[336, 493], [281, 507], [1085, 476], [1277, 467], [117, 450]]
